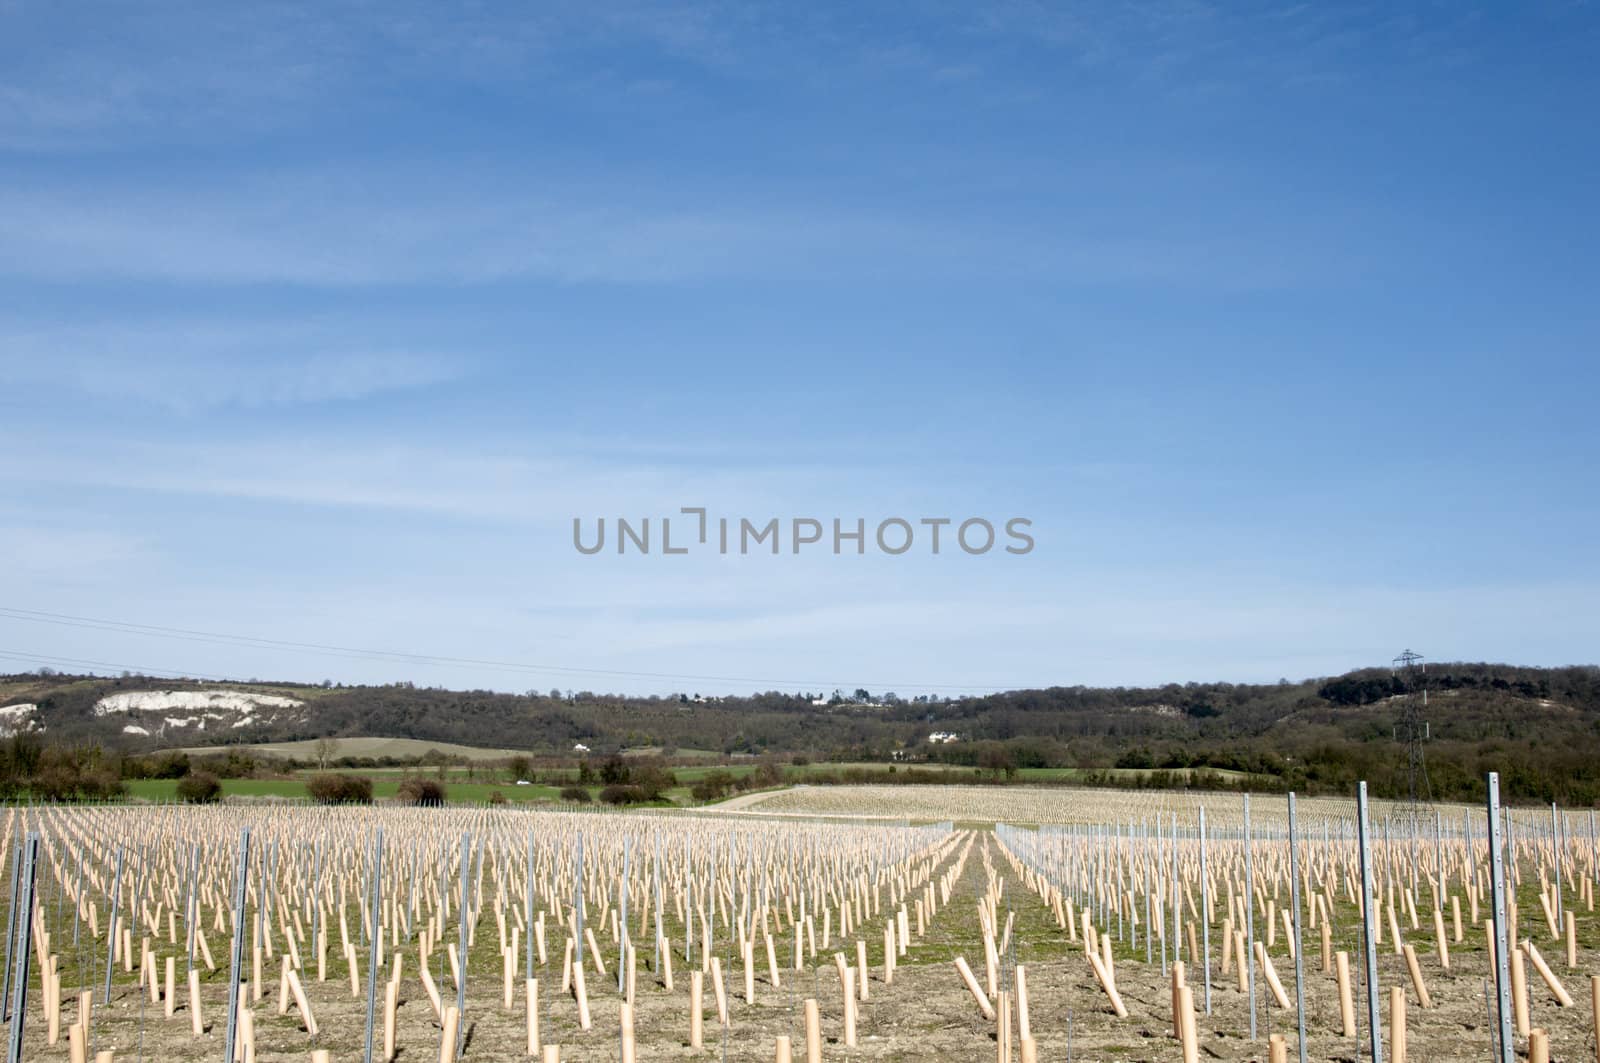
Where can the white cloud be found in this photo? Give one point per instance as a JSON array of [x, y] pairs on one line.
[[202, 364], [431, 227], [324, 233]]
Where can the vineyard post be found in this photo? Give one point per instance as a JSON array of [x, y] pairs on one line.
[[528, 915], [461, 949], [241, 879], [77, 909], [1594, 847], [24, 943], [1177, 942], [1368, 943], [1299, 957], [661, 937], [1555, 838], [11, 932], [190, 901], [374, 914], [1149, 909], [111, 924], [1250, 915], [577, 897], [1497, 885], [316, 899], [622, 903], [1155, 866], [1205, 907], [1438, 859]]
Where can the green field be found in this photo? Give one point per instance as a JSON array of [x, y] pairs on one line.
[[479, 779], [382, 788]]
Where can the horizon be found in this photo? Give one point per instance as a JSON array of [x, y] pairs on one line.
[[324, 325], [849, 695]]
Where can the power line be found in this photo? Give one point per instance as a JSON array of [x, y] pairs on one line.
[[358, 653], [78, 662]]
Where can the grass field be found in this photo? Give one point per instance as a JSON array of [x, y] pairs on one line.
[[382, 788], [480, 778]]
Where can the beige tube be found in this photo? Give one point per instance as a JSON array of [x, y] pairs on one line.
[[1347, 1007], [1519, 993], [1594, 1008], [294, 988], [447, 1036], [1538, 1046], [1415, 970], [970, 980], [197, 1025], [581, 990], [1024, 1026], [1189, 1036], [1397, 1024], [1109, 986], [813, 1032], [848, 987], [1265, 963], [391, 1005], [1549, 976], [696, 1010], [531, 993], [625, 1033]]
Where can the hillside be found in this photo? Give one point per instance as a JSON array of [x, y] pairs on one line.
[[1539, 727]]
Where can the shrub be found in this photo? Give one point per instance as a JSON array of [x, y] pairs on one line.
[[497, 798], [415, 790], [654, 780], [713, 786], [102, 785], [340, 789], [576, 794], [622, 794], [199, 788]]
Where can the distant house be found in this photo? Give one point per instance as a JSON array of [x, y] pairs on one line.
[[942, 737], [580, 748], [819, 701]]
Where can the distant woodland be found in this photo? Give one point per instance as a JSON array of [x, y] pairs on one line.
[[1539, 727]]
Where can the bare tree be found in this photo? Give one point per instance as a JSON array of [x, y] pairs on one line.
[[327, 749]]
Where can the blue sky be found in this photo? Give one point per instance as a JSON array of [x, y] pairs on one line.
[[321, 322]]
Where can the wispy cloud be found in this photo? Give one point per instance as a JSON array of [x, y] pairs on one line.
[[521, 483], [321, 233], [453, 230], [202, 365]]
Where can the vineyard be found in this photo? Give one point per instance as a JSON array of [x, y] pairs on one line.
[[809, 924]]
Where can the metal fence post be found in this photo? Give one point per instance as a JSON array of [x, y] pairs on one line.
[[1205, 907], [374, 913], [24, 942], [1250, 915], [1497, 884], [1299, 961], [236, 960], [1369, 945]]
